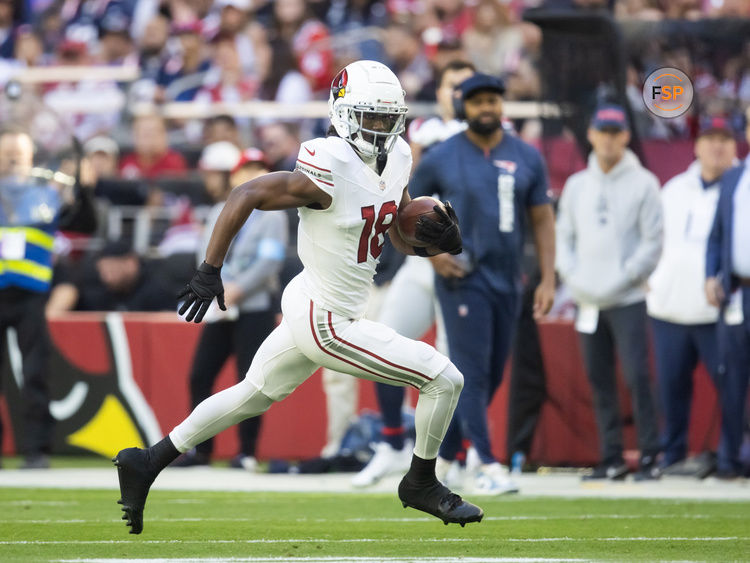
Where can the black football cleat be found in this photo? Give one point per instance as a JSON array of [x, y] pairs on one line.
[[136, 476], [438, 500]]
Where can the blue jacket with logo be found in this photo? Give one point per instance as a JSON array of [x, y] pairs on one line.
[[491, 193], [28, 220]]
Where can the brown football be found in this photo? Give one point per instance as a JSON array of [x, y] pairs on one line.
[[408, 216]]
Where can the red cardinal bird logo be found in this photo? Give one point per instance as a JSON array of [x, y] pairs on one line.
[[338, 86]]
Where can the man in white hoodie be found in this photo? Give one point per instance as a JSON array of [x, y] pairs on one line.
[[609, 238], [683, 321]]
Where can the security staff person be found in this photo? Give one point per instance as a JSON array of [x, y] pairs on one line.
[[30, 212], [493, 180]]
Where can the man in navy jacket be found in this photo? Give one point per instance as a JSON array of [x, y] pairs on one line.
[[728, 287]]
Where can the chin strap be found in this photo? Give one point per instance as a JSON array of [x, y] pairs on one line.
[[381, 161]]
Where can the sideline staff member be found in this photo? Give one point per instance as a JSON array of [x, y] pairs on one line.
[[609, 239], [728, 287], [494, 179], [30, 213]]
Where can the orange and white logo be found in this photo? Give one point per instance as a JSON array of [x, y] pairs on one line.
[[668, 92]]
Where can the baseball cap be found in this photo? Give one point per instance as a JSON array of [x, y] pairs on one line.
[[242, 5], [101, 144], [187, 26], [610, 116], [115, 21], [221, 155], [116, 249], [72, 47], [478, 82], [250, 156], [714, 125]]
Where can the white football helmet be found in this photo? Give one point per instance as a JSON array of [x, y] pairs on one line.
[[367, 108]]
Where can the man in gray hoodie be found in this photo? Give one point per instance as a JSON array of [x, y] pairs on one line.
[[609, 239]]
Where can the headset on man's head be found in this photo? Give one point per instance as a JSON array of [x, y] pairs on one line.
[[476, 82]]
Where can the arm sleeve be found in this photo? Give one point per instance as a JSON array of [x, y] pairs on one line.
[[651, 229], [565, 238], [314, 161], [539, 192], [269, 255]]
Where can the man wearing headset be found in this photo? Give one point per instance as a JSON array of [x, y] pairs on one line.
[[494, 180]]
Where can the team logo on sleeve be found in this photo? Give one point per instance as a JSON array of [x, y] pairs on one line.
[[315, 172]]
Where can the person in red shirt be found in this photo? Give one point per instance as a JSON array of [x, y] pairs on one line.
[[309, 38], [151, 156]]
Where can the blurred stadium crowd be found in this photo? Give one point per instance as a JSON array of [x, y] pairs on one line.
[[152, 166], [287, 51]]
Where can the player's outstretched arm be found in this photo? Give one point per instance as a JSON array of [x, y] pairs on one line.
[[279, 190]]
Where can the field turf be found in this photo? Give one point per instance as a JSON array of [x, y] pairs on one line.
[[53, 524]]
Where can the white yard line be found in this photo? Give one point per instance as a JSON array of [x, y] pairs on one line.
[[564, 486], [24, 502], [338, 560], [330, 560], [397, 520], [375, 540]]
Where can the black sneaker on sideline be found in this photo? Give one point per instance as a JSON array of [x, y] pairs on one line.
[[726, 474], [612, 471], [36, 461], [648, 469], [438, 500], [136, 476]]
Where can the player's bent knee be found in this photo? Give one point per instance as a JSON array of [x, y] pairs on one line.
[[450, 381], [452, 374], [255, 401]]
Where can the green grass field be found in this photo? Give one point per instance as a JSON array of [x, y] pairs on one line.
[[50, 524]]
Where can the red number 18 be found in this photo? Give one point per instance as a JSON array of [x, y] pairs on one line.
[[375, 238]]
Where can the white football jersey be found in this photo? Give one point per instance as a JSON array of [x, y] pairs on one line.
[[340, 246], [434, 130]]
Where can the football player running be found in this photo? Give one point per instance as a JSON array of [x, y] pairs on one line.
[[348, 188]]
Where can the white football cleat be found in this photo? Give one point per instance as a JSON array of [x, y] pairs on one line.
[[385, 461], [473, 462], [246, 462], [493, 479], [449, 473]]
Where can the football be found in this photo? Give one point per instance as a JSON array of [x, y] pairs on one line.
[[408, 216]]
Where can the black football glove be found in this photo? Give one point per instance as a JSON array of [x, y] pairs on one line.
[[200, 291], [443, 234]]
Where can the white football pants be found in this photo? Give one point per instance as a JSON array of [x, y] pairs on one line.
[[309, 337]]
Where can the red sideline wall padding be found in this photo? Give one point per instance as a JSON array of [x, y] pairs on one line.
[[161, 349]]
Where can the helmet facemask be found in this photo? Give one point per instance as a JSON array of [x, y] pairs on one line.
[[372, 133]]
